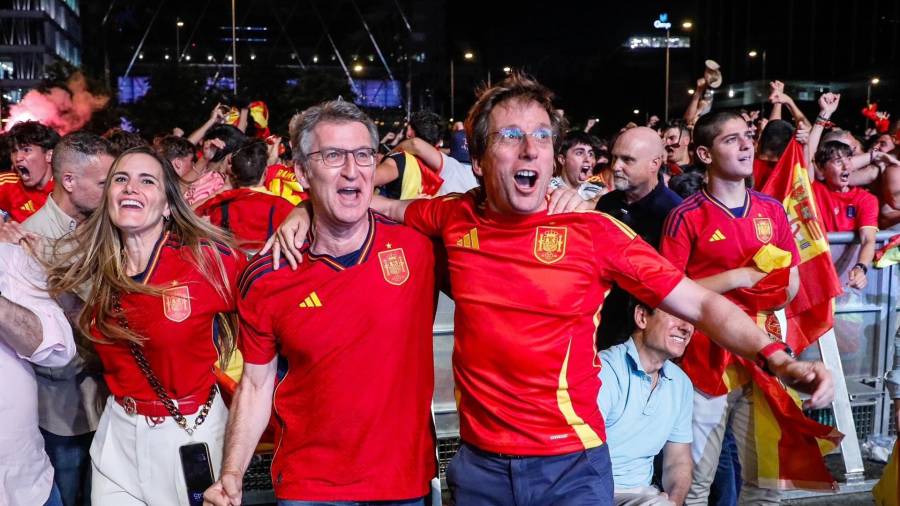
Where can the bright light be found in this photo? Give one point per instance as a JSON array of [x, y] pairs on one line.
[[690, 91], [179, 24], [315, 59], [468, 55], [507, 69], [141, 56], [636, 111], [752, 53], [187, 57], [166, 57], [252, 56], [357, 68], [875, 80], [228, 57], [209, 57], [730, 92], [687, 25]]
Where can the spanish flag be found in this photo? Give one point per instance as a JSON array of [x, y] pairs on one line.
[[811, 313]]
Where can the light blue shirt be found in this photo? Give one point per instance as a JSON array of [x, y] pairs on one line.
[[640, 420]]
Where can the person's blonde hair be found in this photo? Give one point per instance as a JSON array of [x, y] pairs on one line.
[[94, 256]]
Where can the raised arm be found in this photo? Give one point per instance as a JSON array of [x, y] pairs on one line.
[[251, 408], [731, 328], [421, 149], [828, 103], [216, 116], [690, 114]]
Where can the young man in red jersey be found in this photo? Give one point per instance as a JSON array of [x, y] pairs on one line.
[[354, 325], [721, 236], [528, 288], [25, 190]]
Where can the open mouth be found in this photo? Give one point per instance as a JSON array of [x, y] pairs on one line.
[[349, 192], [526, 178], [845, 177], [131, 204], [23, 172], [585, 172]]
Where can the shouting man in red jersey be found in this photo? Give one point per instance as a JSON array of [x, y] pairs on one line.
[[528, 288], [354, 325], [25, 190]]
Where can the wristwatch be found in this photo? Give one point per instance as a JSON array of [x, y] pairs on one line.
[[762, 356]]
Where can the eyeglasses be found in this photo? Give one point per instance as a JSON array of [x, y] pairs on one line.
[[336, 157], [515, 136]]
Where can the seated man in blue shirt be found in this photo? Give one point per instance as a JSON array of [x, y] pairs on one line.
[[647, 402]]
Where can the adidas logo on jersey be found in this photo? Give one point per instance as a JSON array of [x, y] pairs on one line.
[[470, 240], [717, 236], [28, 207], [311, 300]]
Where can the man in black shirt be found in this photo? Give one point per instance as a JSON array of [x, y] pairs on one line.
[[642, 201]]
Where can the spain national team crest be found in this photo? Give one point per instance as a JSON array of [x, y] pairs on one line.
[[550, 244], [763, 229], [394, 266], [177, 303]]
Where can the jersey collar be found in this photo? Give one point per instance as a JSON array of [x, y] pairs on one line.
[[332, 261], [724, 208]]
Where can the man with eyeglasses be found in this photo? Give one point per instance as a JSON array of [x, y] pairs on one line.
[[528, 287], [354, 326]]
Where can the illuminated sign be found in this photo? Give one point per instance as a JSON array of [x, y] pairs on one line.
[[663, 22]]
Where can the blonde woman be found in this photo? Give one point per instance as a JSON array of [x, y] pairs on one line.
[[158, 278]]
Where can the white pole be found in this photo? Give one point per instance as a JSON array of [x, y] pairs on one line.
[[233, 49]]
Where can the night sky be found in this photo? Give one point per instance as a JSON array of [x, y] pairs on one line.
[[573, 47]]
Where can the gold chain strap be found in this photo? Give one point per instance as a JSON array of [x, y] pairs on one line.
[[155, 384]]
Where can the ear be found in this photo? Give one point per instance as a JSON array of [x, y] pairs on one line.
[[68, 181], [476, 168], [48, 155], [561, 159], [704, 155], [167, 212], [300, 173], [640, 317]]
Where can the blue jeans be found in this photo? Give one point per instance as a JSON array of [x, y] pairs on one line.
[[408, 502], [726, 487], [71, 460], [55, 499], [480, 478]]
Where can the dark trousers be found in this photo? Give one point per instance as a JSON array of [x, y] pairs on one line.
[[480, 478], [726, 487], [71, 460]]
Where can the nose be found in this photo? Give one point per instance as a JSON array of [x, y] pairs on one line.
[[529, 148], [350, 170]]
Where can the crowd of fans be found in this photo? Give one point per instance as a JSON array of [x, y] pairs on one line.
[[133, 292]]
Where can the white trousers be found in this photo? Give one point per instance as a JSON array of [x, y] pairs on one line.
[[135, 462], [711, 415], [641, 496]]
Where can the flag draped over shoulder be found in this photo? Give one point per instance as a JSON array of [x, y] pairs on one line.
[[811, 313]]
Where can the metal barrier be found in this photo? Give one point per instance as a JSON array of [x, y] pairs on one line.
[[865, 324]]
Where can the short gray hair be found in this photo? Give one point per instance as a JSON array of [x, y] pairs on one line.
[[336, 111]]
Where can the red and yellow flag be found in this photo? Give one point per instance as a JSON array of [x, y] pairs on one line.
[[811, 313]]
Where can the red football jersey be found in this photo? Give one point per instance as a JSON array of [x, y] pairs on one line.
[[178, 326], [704, 238], [528, 292], [355, 406], [848, 211], [251, 214], [17, 200]]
